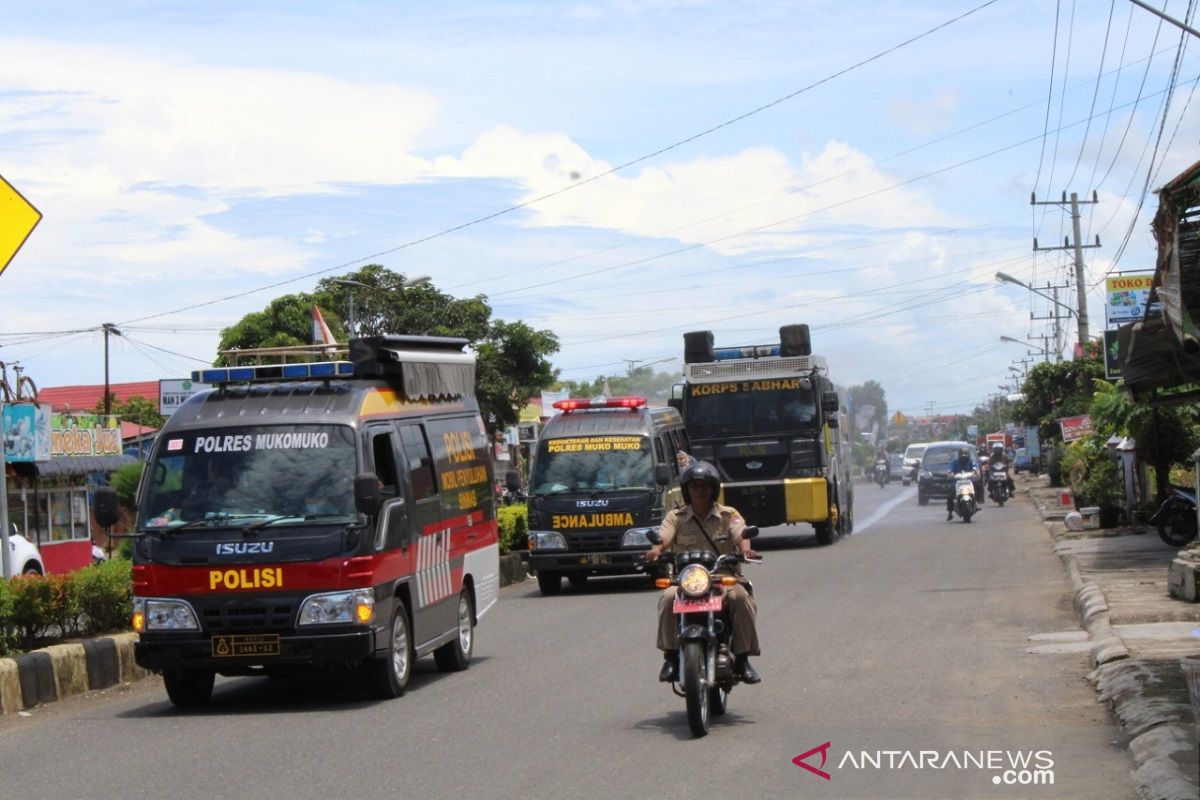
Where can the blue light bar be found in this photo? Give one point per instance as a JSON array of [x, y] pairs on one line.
[[275, 372], [757, 351]]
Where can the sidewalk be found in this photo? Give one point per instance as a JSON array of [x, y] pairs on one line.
[[1138, 634]]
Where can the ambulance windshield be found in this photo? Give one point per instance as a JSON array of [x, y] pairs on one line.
[[246, 475], [593, 464]]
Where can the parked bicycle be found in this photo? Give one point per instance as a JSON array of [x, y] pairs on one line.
[[21, 390]]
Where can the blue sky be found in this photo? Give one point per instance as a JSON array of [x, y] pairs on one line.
[[184, 152]]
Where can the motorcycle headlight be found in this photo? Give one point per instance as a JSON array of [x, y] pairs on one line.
[[162, 614], [695, 580], [547, 540], [334, 608], [636, 537]]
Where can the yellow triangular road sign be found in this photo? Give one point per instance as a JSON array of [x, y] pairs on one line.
[[18, 218]]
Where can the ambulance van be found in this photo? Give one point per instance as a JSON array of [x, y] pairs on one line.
[[603, 473], [318, 515]]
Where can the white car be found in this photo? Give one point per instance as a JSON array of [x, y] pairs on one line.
[[23, 555], [912, 463]]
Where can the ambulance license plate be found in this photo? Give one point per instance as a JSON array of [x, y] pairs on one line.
[[596, 560], [697, 605], [256, 644]]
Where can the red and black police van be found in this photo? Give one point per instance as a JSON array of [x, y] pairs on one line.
[[310, 515]]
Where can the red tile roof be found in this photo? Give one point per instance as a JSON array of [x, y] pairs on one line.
[[83, 399]]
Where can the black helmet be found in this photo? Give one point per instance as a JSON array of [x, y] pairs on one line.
[[700, 471], [965, 452]]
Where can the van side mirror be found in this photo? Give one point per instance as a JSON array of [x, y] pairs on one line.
[[367, 497], [662, 474], [829, 403], [105, 506]]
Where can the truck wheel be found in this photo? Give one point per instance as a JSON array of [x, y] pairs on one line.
[[388, 676], [549, 582], [455, 656], [922, 498], [189, 688]]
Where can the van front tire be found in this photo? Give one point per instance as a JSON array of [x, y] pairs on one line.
[[388, 676], [189, 688]]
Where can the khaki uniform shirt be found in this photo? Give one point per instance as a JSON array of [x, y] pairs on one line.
[[681, 531]]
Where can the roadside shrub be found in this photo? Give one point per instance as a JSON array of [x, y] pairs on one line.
[[514, 527], [65, 612], [32, 598], [106, 596], [7, 642]]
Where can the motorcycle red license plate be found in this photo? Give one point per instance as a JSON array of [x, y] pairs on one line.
[[697, 605]]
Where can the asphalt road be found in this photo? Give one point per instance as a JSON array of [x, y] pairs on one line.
[[904, 643]]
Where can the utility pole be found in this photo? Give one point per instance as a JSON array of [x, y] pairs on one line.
[[109, 328], [1080, 285]]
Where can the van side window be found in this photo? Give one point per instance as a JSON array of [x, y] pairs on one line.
[[384, 458], [420, 464], [658, 452]]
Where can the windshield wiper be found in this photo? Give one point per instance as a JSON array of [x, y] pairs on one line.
[[293, 518]]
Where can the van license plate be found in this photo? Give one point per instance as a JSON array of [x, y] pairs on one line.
[[259, 644], [594, 560]]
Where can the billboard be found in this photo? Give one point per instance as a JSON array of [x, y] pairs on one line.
[[1075, 427], [84, 435], [26, 432], [1125, 297], [172, 393]]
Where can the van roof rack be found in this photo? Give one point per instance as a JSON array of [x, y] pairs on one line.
[[420, 366]]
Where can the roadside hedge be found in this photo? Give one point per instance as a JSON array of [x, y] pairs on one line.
[[514, 527], [37, 610]]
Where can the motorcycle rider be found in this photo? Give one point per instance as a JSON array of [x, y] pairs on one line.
[[962, 463], [705, 524], [999, 457]]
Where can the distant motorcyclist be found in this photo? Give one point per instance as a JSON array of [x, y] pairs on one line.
[[705, 524], [1000, 458], [962, 463]]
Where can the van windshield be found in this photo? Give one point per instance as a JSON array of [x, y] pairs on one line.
[[593, 464], [246, 475]]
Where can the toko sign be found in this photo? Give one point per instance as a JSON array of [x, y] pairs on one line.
[[1125, 297]]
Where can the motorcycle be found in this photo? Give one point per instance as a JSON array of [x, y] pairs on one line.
[[964, 495], [706, 674], [881, 472], [998, 484], [1176, 516]]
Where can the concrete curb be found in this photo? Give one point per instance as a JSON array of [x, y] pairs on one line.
[[1156, 733], [63, 670]]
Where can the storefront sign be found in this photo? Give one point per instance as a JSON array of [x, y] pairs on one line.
[[1075, 427], [172, 393], [1112, 366], [1126, 296], [26, 432], [84, 435]]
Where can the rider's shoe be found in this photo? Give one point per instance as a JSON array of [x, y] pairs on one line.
[[748, 673], [949, 516], [670, 668]]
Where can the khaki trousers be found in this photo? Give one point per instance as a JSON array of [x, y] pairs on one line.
[[740, 609]]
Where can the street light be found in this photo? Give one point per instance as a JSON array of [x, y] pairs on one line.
[[1044, 351], [1004, 277]]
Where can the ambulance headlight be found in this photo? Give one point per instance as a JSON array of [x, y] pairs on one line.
[[636, 537], [547, 540], [162, 614], [338, 608]]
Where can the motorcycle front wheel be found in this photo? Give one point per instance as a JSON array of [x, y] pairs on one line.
[[1179, 527], [695, 689]]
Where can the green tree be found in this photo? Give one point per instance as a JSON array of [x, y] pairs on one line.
[[136, 409], [512, 358], [1056, 390]]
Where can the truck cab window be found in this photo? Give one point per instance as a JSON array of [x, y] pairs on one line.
[[385, 462], [420, 464]]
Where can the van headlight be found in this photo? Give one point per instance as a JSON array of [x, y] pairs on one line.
[[926, 475], [547, 540], [636, 537], [163, 614], [338, 608]]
